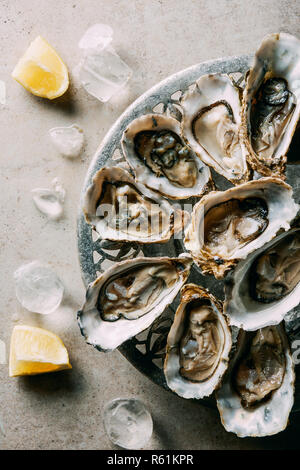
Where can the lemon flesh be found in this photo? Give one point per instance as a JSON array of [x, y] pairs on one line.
[[36, 351], [41, 71]]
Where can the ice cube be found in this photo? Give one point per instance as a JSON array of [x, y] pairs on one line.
[[128, 423], [47, 202], [38, 288], [68, 140], [50, 201], [103, 73], [2, 92], [98, 37]]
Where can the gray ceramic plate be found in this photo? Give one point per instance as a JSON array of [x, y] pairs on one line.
[[146, 351]]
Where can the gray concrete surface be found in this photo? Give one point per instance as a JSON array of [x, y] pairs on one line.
[[156, 38]]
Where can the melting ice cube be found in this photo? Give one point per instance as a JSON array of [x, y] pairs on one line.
[[68, 140], [128, 423], [50, 201], [103, 73], [38, 288], [98, 36]]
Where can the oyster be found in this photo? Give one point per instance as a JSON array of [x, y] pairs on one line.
[[271, 105], [198, 344], [161, 160], [211, 125], [265, 286], [257, 392], [226, 226], [128, 297], [121, 209]]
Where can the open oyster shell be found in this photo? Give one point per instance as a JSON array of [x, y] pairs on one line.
[[271, 105], [128, 297], [257, 392], [211, 125], [266, 285], [198, 344], [161, 160], [123, 210], [226, 226]]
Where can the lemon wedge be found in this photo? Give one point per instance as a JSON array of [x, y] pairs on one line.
[[41, 71], [36, 351]]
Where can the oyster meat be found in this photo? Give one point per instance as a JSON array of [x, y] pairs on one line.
[[128, 297], [271, 106], [121, 209], [257, 393], [165, 154], [266, 285], [161, 160], [277, 271], [211, 125], [227, 226], [198, 344]]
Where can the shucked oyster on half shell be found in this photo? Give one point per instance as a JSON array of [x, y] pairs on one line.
[[266, 285], [198, 344], [161, 160], [271, 103], [226, 226], [121, 209], [211, 125], [128, 297], [257, 392]]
